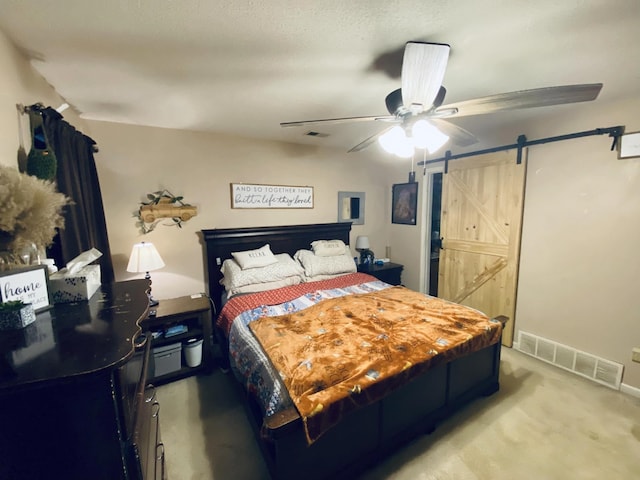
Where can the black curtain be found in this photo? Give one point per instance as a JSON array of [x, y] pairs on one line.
[[77, 177]]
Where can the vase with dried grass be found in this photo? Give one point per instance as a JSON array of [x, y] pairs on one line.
[[30, 214]]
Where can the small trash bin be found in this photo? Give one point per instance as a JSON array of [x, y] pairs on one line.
[[193, 352]]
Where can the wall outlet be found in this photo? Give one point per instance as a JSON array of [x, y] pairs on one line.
[[635, 355]]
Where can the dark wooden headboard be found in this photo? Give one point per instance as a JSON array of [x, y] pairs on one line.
[[220, 242]]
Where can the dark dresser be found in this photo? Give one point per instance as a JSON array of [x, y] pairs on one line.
[[74, 399]]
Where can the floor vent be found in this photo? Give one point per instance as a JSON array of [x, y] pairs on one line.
[[581, 363]]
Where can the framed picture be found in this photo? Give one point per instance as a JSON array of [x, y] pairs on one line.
[[404, 203], [351, 207], [29, 284]]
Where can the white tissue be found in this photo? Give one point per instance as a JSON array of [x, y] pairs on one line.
[[82, 260]]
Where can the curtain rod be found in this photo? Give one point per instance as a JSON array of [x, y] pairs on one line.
[[522, 142], [37, 107]]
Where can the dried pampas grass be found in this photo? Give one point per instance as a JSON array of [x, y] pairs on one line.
[[30, 210]]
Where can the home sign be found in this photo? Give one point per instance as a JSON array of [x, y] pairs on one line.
[[29, 284]]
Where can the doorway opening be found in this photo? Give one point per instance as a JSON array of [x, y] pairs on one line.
[[434, 232]]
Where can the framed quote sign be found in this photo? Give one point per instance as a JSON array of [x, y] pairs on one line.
[[28, 284], [246, 195]]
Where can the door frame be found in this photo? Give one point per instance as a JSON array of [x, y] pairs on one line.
[[425, 229]]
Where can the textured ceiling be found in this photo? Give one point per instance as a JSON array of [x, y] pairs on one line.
[[243, 67]]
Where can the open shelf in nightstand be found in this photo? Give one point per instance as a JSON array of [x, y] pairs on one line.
[[195, 314]]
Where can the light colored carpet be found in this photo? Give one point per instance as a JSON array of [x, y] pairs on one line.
[[544, 423]]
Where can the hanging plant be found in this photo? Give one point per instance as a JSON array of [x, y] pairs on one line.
[[41, 161], [163, 204]]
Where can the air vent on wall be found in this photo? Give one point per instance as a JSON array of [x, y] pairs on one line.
[[568, 358], [311, 133]]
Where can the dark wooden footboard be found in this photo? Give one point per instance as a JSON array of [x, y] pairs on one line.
[[367, 435]]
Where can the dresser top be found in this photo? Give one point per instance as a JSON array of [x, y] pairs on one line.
[[72, 339]]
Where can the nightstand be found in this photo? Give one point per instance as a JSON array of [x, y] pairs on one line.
[[387, 272], [168, 353]]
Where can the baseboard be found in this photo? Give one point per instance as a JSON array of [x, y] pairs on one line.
[[629, 390]]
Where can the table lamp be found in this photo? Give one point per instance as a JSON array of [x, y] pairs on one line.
[[362, 245], [145, 258]]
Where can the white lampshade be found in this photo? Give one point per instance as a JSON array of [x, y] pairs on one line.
[[395, 141], [426, 135], [423, 135], [144, 258], [362, 243]]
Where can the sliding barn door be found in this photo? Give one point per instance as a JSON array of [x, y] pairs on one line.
[[482, 201]]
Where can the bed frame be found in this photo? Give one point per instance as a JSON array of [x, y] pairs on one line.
[[368, 434]]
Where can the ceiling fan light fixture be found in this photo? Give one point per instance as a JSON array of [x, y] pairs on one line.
[[395, 141], [426, 135], [405, 150], [391, 138]]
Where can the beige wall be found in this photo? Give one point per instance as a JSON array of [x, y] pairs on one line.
[[579, 265], [134, 161], [580, 268], [20, 84]]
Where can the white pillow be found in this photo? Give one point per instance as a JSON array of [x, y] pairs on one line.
[[260, 257], [328, 248], [314, 265], [234, 276], [261, 287]]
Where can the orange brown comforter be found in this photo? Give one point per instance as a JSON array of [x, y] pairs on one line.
[[350, 351]]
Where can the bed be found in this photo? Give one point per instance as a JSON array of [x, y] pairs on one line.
[[364, 434]]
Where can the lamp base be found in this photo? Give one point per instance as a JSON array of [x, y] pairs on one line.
[[152, 301], [366, 257]]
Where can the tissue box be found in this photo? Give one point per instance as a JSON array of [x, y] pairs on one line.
[[74, 287]]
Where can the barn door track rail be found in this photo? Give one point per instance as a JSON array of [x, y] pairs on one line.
[[522, 142]]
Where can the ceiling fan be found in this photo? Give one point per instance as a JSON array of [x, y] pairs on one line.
[[417, 114]]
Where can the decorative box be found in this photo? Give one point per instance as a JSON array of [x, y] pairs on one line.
[[167, 359], [75, 287], [15, 319]]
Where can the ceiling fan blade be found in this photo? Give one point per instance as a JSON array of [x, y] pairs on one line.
[[364, 144], [423, 68], [338, 120], [538, 97], [458, 135]]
